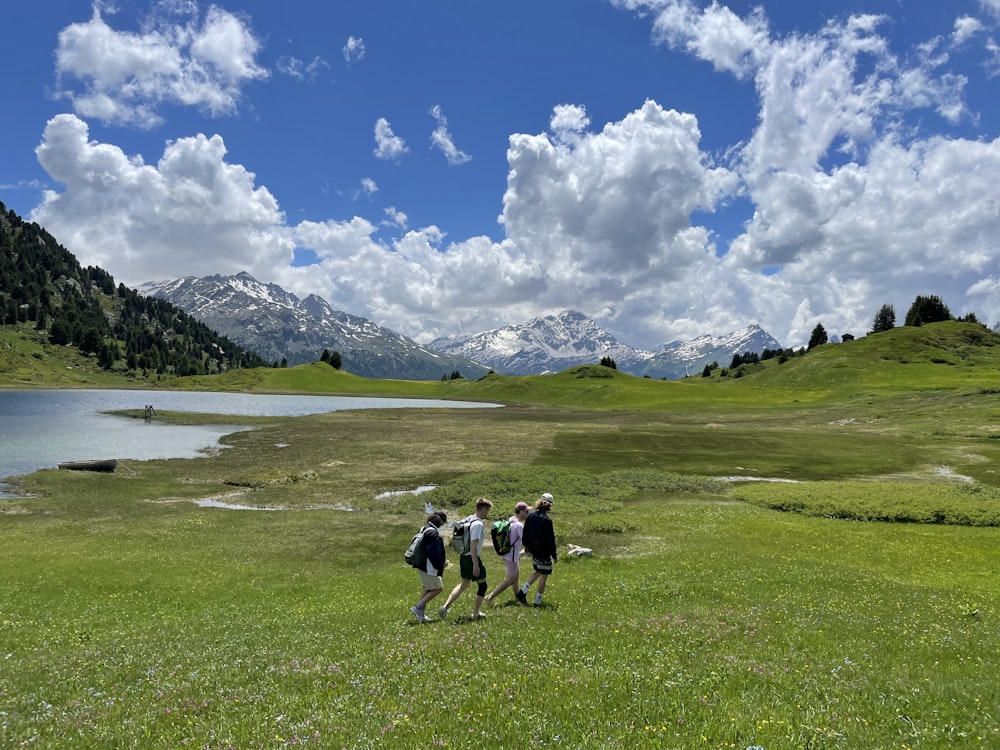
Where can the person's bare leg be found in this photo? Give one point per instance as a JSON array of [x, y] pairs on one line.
[[455, 593], [505, 584], [428, 595]]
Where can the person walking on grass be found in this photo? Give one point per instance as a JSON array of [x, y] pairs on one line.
[[430, 574], [470, 565], [512, 559], [540, 540]]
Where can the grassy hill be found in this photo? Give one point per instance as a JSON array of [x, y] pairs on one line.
[[29, 360], [937, 355], [801, 557]]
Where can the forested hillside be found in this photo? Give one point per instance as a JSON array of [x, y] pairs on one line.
[[44, 289]]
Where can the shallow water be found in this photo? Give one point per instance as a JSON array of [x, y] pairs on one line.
[[42, 428]]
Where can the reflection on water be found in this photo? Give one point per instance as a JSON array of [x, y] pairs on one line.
[[39, 429]]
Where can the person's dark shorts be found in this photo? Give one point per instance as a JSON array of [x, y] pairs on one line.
[[465, 569], [542, 565]]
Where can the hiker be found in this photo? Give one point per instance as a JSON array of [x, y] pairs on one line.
[[512, 559], [430, 574], [470, 565], [540, 540]]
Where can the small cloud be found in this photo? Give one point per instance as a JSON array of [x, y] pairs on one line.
[[441, 138], [395, 218], [388, 145], [22, 185], [993, 64], [965, 28], [354, 49], [368, 189], [294, 68], [992, 7]]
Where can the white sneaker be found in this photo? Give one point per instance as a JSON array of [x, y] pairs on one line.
[[443, 612], [419, 614]]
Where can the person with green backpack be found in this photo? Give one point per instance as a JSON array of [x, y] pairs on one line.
[[507, 542]]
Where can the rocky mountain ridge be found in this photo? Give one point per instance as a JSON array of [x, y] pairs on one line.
[[278, 325], [556, 342]]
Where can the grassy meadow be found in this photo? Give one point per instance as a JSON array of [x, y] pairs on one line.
[[806, 556]]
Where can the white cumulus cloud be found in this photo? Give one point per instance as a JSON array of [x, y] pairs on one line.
[[191, 210], [124, 77]]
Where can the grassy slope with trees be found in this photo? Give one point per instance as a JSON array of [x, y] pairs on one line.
[[50, 301]]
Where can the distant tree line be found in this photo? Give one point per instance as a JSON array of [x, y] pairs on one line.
[[42, 284]]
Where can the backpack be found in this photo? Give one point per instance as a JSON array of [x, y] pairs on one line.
[[529, 537], [460, 541], [500, 533], [415, 554]]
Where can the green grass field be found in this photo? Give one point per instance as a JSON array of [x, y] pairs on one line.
[[855, 604]]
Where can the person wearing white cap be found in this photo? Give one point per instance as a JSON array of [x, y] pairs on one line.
[[540, 540]]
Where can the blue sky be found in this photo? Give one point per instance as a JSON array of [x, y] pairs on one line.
[[669, 168]]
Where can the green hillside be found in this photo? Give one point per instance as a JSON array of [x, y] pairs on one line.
[[801, 556], [936, 355], [52, 310]]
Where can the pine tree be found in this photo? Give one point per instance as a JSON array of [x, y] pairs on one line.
[[885, 319], [927, 310], [818, 337]]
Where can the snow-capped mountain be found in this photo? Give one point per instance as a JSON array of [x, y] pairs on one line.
[[278, 325], [682, 358], [559, 341], [541, 345]]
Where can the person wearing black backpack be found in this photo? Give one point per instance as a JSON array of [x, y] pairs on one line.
[[540, 541], [430, 575]]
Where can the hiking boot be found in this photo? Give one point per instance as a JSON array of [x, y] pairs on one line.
[[521, 597], [443, 612], [419, 614]]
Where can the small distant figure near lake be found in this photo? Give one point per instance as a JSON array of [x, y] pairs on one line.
[[150, 412]]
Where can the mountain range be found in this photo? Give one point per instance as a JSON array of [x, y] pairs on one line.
[[279, 326], [556, 342]]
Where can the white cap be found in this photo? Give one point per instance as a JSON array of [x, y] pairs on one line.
[[547, 496]]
